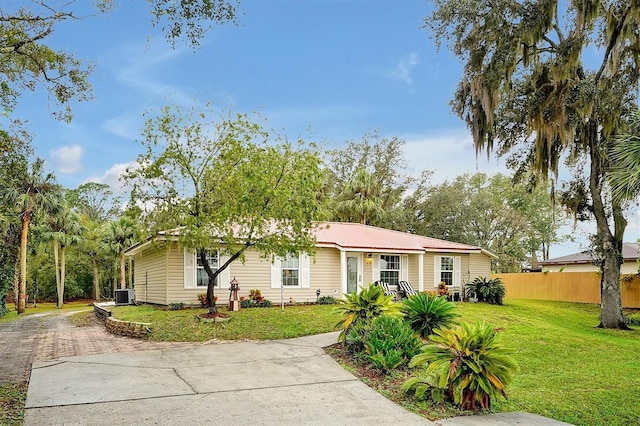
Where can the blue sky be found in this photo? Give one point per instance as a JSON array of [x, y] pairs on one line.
[[328, 70]]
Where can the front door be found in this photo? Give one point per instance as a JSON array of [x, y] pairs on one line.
[[352, 274]]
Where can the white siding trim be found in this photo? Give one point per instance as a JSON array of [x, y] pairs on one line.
[[189, 269], [225, 276], [343, 270], [375, 270], [421, 272], [404, 268], [457, 274], [437, 263], [276, 272], [305, 281]]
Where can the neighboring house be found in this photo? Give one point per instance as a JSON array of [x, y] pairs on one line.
[[348, 256], [583, 262]]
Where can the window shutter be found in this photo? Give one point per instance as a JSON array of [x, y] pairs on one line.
[[276, 273], [304, 271], [437, 263], [404, 268], [189, 268], [225, 276], [457, 261], [375, 268]]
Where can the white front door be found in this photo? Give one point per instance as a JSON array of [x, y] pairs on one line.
[[354, 274]]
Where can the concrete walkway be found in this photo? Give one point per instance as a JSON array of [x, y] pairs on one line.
[[286, 382]]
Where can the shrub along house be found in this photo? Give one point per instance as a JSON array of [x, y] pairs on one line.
[[348, 256]]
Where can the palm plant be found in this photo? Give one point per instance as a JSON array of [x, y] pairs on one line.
[[466, 363], [118, 236], [369, 303], [361, 197], [624, 177], [486, 290], [63, 229], [37, 192], [425, 312]]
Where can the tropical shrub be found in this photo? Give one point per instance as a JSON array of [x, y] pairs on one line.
[[443, 290], [633, 319], [390, 343], [356, 337], [178, 306], [327, 300], [467, 364], [425, 312], [369, 303], [486, 290]]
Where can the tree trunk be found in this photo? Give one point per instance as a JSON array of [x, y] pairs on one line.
[[611, 315], [16, 282], [123, 282], [62, 277], [22, 291], [56, 262], [96, 281]]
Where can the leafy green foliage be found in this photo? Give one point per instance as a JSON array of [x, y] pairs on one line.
[[486, 290], [327, 300], [425, 312], [177, 306], [633, 319], [468, 362], [390, 343], [369, 303]]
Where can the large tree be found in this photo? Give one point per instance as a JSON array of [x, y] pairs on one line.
[[28, 61], [37, 193], [534, 86], [366, 179], [225, 185], [63, 229]]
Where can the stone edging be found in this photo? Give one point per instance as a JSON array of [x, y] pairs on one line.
[[119, 327]]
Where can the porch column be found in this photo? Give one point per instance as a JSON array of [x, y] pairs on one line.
[[421, 272], [343, 271]]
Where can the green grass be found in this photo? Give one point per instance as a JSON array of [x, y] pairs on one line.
[[569, 370], [12, 399], [44, 307], [253, 323]]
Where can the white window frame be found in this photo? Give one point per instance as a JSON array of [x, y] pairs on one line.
[[205, 283], [303, 272], [455, 272], [385, 263], [191, 271], [290, 266]]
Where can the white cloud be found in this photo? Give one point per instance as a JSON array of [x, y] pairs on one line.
[[402, 71], [112, 177], [67, 159], [448, 154]]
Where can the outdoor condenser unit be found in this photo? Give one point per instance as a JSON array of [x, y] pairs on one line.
[[125, 296]]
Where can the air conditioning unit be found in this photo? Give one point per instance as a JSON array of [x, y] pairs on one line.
[[125, 296]]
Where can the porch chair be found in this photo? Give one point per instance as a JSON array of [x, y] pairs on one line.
[[387, 290], [406, 289]]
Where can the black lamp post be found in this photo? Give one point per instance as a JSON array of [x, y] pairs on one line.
[[317, 295]]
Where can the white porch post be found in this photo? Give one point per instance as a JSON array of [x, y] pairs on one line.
[[343, 271], [421, 272]]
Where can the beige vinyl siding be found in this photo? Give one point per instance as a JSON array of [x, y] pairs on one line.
[[414, 273], [150, 276], [479, 265], [428, 271]]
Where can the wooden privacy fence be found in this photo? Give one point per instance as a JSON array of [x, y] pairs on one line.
[[581, 287]]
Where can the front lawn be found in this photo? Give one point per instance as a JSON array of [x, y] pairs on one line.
[[12, 315], [568, 369], [253, 323]]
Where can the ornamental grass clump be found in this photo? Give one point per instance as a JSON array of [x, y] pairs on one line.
[[369, 303], [425, 312], [466, 364]]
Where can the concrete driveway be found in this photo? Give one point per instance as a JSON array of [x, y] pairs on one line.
[[273, 382]]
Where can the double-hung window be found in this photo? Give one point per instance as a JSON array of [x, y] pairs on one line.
[[390, 269], [446, 270], [202, 279], [291, 271]]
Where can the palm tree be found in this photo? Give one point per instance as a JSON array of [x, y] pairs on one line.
[[361, 197], [63, 229], [624, 177], [118, 236], [36, 193]]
